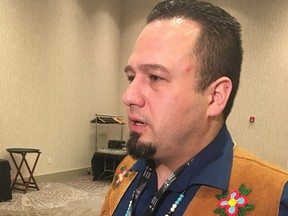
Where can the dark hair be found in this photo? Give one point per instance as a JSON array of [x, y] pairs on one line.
[[219, 47]]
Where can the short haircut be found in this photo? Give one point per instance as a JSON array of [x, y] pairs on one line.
[[218, 48]]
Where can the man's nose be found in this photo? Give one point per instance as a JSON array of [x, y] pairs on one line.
[[134, 94]]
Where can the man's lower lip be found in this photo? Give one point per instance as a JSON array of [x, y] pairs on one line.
[[137, 127]]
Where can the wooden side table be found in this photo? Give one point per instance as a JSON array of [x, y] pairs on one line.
[[31, 182]]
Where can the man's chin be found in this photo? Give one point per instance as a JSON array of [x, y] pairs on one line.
[[138, 149]]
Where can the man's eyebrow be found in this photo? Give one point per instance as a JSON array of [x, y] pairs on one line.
[[147, 67], [128, 68]]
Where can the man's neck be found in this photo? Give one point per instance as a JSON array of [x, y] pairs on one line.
[[166, 166], [164, 171]]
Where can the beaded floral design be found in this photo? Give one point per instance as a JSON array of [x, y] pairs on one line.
[[234, 203], [121, 175]]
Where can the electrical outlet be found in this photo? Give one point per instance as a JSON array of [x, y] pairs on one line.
[[49, 160], [89, 170]]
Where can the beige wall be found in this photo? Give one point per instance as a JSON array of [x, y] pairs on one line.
[[59, 66], [62, 61]]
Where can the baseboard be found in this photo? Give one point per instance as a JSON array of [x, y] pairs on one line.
[[60, 176]]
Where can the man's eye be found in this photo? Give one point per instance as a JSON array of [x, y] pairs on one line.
[[154, 78], [130, 78]]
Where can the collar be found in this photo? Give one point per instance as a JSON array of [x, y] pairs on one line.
[[211, 167]]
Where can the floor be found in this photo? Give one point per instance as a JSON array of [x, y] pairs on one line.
[[76, 196]]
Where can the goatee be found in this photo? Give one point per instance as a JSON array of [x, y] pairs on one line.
[[138, 149]]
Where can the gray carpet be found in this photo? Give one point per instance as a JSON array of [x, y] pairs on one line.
[[76, 196]]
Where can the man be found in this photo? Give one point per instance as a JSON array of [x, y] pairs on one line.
[[184, 74]]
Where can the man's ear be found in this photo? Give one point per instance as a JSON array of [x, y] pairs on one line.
[[219, 92]]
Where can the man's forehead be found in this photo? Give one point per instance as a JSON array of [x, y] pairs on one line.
[[163, 42], [174, 23], [168, 35], [167, 30]]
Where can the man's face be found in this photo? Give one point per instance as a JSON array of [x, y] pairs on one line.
[[162, 104]]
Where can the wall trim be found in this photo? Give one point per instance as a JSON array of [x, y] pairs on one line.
[[60, 176]]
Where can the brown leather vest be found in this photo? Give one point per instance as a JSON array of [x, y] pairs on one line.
[[265, 180]]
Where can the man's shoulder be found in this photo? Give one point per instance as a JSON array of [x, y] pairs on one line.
[[247, 160], [266, 181]]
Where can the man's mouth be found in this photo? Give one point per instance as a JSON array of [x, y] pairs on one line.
[[138, 123]]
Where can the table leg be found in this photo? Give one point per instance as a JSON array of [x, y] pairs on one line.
[[31, 180]]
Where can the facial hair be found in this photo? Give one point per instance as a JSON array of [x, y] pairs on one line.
[[138, 149]]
